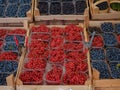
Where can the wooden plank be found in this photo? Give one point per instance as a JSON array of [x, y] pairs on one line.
[[52, 87], [7, 88]]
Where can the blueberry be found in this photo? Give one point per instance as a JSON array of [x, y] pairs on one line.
[[4, 78], [2, 66], [10, 47], [43, 7], [80, 7], [23, 9], [102, 67], [1, 79], [2, 9], [109, 39], [11, 10], [113, 54], [10, 38], [13, 1], [97, 54], [115, 72], [102, 5], [68, 8], [107, 27], [3, 1], [117, 28], [25, 1], [55, 8], [11, 66]]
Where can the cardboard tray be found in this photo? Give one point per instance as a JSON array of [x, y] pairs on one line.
[[105, 15], [10, 25], [39, 17], [87, 86], [103, 84]]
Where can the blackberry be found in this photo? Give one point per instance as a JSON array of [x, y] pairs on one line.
[[113, 54], [97, 30], [11, 10], [55, 8], [2, 9], [115, 72], [43, 7], [109, 39], [23, 10], [24, 1], [97, 54], [3, 1], [80, 6], [102, 6], [107, 27], [68, 8], [102, 67], [117, 28], [13, 1]]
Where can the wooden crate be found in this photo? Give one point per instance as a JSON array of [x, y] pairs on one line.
[[39, 17], [103, 84], [29, 15], [108, 14], [10, 25], [87, 86]]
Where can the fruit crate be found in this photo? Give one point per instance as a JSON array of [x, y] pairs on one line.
[[57, 5], [103, 62], [112, 11], [20, 85], [19, 9], [7, 74]]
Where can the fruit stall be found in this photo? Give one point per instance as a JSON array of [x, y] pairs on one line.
[[60, 44]]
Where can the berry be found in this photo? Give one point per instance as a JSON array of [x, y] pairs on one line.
[[80, 6], [118, 38], [17, 32], [117, 28], [57, 56], [97, 30], [115, 72], [2, 9], [23, 9], [10, 38], [109, 39], [56, 42], [1, 43], [24, 1], [54, 75], [66, 0], [97, 41], [2, 33], [76, 56], [11, 10], [41, 29], [74, 78], [55, 8], [13, 1], [39, 36], [102, 5], [32, 77], [107, 27], [10, 47], [68, 8], [43, 7], [36, 64], [69, 46], [2, 66], [113, 54], [3, 1], [57, 31], [97, 54], [102, 67]]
